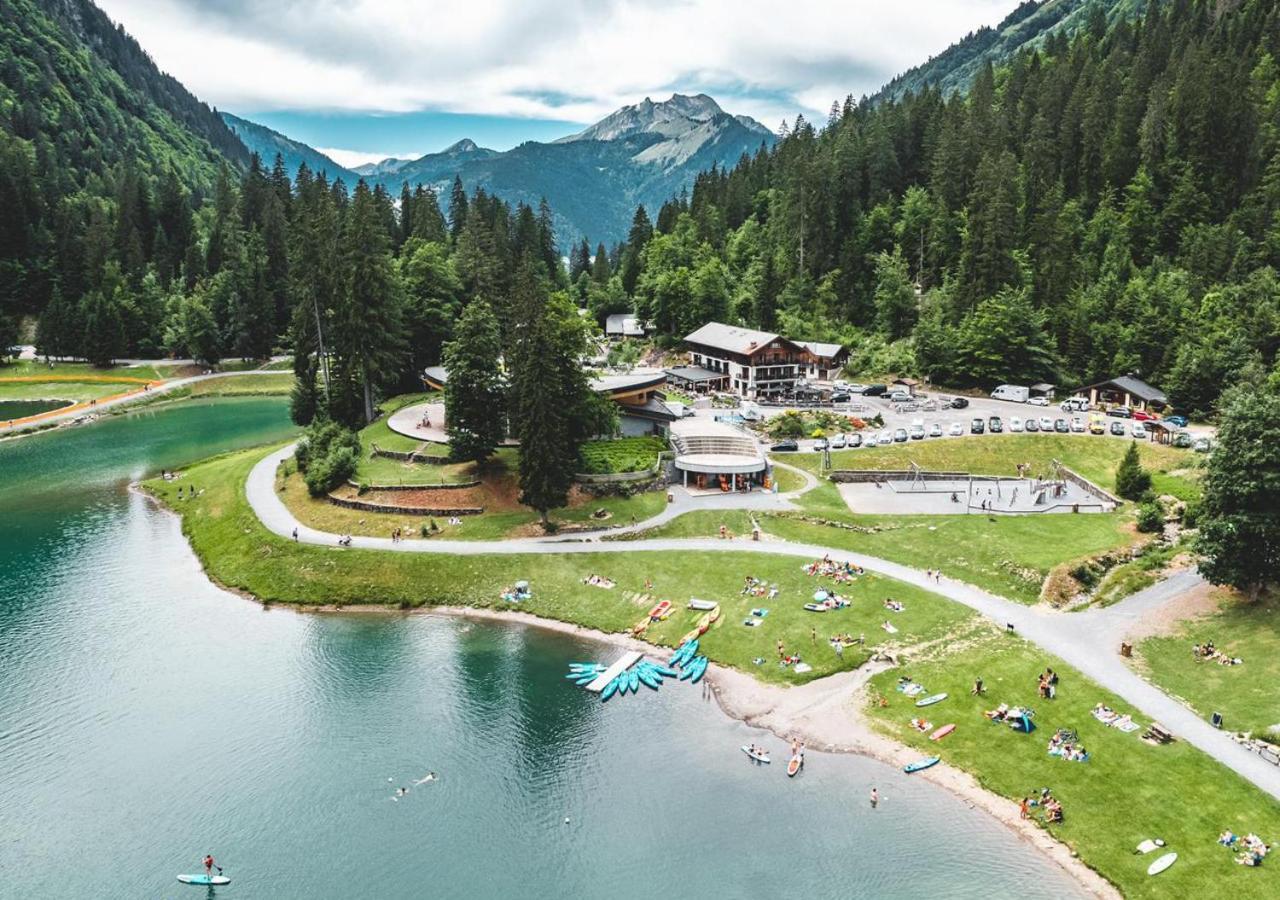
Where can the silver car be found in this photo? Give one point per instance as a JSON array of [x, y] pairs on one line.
[[935, 430]]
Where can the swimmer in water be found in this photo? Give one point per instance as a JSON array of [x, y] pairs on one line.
[[430, 776]]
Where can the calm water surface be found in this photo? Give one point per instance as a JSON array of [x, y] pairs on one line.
[[147, 717]]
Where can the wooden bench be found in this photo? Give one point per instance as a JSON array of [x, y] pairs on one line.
[[1157, 734]]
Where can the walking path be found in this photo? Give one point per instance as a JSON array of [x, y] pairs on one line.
[[1086, 640]]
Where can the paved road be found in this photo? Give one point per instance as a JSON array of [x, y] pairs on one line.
[[1087, 641]]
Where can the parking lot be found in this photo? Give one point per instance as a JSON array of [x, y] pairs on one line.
[[929, 411]]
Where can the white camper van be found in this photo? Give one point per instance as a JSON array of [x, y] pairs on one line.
[[1015, 393]]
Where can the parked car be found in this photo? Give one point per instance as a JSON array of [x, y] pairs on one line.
[[838, 442], [956, 429], [1139, 430], [1180, 421], [1077, 425], [935, 430], [899, 397], [875, 390], [1202, 445], [1061, 426], [900, 436], [854, 388], [917, 431], [1120, 412], [1182, 440], [854, 440], [1096, 425], [820, 444], [785, 447], [841, 397], [1117, 428], [1015, 424], [1046, 424], [959, 403], [994, 425], [1143, 415], [977, 427], [1038, 401], [1074, 404], [1031, 425]]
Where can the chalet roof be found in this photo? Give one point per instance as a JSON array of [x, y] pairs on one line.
[[825, 351], [732, 338], [1132, 385], [625, 324], [694, 374]]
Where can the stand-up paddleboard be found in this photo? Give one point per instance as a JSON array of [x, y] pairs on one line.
[[1162, 863], [929, 701], [942, 732], [920, 764], [204, 879], [757, 755], [793, 766]]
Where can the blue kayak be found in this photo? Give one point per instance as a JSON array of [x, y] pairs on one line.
[[699, 667], [586, 679], [609, 690], [204, 879], [648, 679], [665, 671], [920, 764], [633, 681]]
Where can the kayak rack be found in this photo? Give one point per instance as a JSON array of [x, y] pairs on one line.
[[620, 665]]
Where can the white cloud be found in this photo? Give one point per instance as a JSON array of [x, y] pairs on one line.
[[573, 60]]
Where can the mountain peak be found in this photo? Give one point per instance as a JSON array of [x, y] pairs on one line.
[[466, 145], [669, 118]]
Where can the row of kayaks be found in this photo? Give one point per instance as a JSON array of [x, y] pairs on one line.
[[650, 674]]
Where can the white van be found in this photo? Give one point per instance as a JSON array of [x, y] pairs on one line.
[[1015, 393]]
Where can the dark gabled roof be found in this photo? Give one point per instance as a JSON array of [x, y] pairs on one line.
[[1132, 385], [734, 339], [652, 408]]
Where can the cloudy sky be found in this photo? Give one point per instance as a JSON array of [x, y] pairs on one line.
[[372, 78]]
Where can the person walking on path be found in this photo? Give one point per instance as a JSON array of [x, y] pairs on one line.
[[875, 798]]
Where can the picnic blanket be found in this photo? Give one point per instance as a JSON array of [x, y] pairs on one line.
[[1108, 716], [910, 688]]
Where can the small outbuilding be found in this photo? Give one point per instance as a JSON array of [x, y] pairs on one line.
[[1043, 389], [696, 379], [623, 325], [1126, 390]]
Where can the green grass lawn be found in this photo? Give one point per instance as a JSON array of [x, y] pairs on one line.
[[76, 391], [1246, 695], [26, 368], [1007, 555], [242, 385], [1127, 792], [627, 454], [238, 552], [375, 470], [1095, 457], [378, 433], [787, 479]]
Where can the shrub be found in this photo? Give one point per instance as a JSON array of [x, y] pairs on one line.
[[1132, 481], [325, 474], [1150, 518], [1191, 514]]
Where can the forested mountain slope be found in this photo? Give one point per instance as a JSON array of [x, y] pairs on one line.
[[1025, 28], [267, 143], [1097, 206]]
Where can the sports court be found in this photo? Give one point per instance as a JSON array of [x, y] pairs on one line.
[[917, 492]]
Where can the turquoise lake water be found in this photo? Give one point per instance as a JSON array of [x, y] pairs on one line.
[[147, 717]]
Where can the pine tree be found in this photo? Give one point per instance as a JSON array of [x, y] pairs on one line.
[[475, 393], [457, 208], [600, 266], [1132, 481]]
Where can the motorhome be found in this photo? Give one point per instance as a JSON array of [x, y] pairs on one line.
[[1015, 393]]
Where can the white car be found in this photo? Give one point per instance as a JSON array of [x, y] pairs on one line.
[[886, 438], [1077, 425], [1138, 430], [956, 429], [1038, 401], [1015, 423], [1046, 424], [837, 442], [935, 430]]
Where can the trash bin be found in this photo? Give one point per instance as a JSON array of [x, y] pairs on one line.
[[1126, 649], [1216, 720]]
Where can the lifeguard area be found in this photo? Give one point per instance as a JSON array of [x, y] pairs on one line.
[[916, 491]]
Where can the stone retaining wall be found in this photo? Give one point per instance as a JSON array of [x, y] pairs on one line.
[[366, 506], [411, 456], [1109, 501], [448, 486], [860, 476]]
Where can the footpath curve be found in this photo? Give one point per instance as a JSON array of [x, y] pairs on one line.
[[1080, 639]]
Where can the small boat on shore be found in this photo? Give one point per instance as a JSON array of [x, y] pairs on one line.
[[609, 690], [756, 753], [633, 681], [648, 679], [921, 764], [942, 732], [795, 764], [698, 668], [931, 699]]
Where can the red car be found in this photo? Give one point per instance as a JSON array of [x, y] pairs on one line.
[[1142, 415]]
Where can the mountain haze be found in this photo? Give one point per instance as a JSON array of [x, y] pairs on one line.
[[267, 143], [645, 154]]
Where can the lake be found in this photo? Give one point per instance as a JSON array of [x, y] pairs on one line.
[[148, 717]]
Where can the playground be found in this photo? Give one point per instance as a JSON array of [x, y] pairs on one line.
[[916, 491]]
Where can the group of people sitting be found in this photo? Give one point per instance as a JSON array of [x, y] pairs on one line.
[[1065, 745], [1048, 684], [1052, 808], [1206, 652], [598, 581], [1252, 848], [832, 601], [840, 571], [754, 587], [1108, 716], [844, 639], [894, 605], [516, 594]]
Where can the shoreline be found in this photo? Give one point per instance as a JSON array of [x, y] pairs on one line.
[[824, 714]]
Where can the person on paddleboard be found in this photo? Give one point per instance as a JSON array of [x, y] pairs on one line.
[[209, 865]]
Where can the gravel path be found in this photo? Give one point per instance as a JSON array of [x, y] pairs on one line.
[[1088, 641]]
